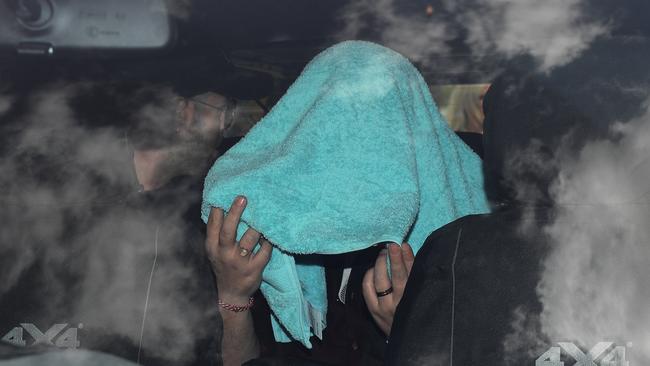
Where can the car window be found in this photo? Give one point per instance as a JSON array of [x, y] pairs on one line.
[[91, 92]]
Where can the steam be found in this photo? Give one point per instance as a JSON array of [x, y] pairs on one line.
[[5, 104], [525, 341], [69, 358], [63, 187], [429, 359], [34, 211], [411, 34], [554, 32], [596, 282]]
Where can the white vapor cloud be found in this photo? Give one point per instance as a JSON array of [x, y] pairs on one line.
[[525, 339], [5, 103], [554, 32], [596, 281], [62, 190], [413, 35]]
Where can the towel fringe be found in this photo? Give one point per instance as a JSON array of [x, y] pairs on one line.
[[316, 319]]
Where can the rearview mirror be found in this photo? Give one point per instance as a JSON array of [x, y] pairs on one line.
[[53, 26]]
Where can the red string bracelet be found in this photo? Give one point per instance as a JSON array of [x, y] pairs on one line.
[[236, 308]]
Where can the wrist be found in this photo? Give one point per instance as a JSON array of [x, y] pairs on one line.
[[236, 307], [233, 298]]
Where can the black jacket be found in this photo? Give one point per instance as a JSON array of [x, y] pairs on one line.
[[471, 298], [472, 285]]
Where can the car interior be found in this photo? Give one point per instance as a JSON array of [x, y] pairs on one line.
[[72, 74]]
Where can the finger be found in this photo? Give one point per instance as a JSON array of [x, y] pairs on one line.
[[263, 256], [380, 274], [397, 270], [248, 242], [213, 228], [397, 265], [229, 228], [369, 291], [409, 257]]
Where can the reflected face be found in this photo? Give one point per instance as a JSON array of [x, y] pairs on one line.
[[201, 117]]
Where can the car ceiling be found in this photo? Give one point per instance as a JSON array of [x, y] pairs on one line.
[[276, 38]]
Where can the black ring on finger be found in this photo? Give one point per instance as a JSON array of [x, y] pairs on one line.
[[385, 292]]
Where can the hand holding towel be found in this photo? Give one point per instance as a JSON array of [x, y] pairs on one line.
[[354, 154]]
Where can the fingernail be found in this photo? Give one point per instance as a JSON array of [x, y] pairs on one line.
[[240, 200]]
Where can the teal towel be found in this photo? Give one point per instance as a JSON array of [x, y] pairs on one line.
[[354, 154]]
